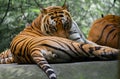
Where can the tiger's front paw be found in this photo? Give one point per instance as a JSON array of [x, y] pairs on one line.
[[105, 52]]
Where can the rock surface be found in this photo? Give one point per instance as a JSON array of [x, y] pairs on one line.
[[79, 70]]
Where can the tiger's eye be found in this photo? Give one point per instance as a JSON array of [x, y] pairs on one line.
[[61, 16], [52, 17]]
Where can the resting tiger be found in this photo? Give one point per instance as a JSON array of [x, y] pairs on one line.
[[106, 31], [45, 41]]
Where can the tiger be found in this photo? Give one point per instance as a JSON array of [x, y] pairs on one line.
[[106, 31], [73, 34], [46, 41]]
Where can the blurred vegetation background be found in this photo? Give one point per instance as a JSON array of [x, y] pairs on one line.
[[15, 14]]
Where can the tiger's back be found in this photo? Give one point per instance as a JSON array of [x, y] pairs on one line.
[[106, 31]]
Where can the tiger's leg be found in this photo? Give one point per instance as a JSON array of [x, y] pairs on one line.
[[102, 52], [6, 57], [66, 50], [43, 64]]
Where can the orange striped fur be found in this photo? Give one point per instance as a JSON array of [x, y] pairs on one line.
[[106, 31]]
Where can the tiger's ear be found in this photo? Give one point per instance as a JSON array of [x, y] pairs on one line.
[[43, 10], [65, 6]]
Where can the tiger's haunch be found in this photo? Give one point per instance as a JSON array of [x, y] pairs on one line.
[[106, 31]]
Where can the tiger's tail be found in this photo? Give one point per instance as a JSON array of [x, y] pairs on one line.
[[6, 57]]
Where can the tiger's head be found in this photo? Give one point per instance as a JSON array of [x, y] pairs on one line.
[[56, 21]]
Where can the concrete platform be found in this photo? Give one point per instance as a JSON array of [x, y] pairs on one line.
[[78, 70]]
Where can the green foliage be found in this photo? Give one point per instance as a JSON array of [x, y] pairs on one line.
[[14, 14]]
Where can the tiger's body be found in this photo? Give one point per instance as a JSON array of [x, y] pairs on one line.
[[50, 49], [106, 31], [46, 41]]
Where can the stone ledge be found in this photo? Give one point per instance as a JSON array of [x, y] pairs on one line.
[[79, 70]]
